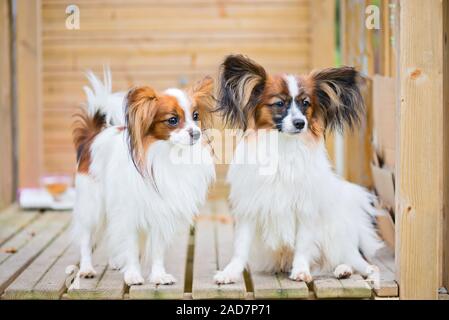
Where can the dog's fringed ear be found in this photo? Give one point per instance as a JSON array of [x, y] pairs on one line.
[[337, 91], [139, 115], [202, 92], [241, 84]]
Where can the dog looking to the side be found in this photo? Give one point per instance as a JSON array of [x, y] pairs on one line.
[[129, 181], [303, 217]]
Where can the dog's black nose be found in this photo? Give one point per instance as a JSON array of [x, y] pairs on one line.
[[194, 134], [299, 124]]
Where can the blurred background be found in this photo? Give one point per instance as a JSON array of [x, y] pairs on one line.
[[47, 45]]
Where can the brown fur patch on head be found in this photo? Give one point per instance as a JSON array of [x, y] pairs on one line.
[[266, 114], [202, 96], [241, 83], [329, 98], [85, 129], [337, 96], [147, 119]]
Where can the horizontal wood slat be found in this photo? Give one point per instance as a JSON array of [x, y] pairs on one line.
[[158, 43]]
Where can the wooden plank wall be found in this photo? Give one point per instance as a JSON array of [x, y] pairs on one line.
[[29, 106], [161, 43], [357, 51], [421, 165], [360, 49], [6, 118]]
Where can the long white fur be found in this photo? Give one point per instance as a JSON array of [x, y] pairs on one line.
[[100, 97], [303, 218], [116, 197]]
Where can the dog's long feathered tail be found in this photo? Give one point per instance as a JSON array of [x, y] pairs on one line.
[[103, 108], [100, 98]]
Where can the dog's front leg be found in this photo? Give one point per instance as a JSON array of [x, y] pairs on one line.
[[158, 274], [132, 270], [244, 234], [305, 252]]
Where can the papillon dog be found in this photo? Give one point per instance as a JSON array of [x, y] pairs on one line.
[[132, 183], [302, 218]]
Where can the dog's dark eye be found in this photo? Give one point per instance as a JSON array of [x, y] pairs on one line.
[[173, 121], [196, 116], [279, 104], [306, 102]]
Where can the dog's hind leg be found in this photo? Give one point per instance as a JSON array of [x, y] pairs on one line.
[[86, 221]]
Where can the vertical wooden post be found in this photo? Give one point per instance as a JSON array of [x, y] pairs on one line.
[[6, 119], [445, 246], [28, 66], [421, 159], [357, 51], [323, 44]]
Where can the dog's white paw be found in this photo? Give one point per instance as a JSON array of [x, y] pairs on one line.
[[372, 273], [87, 272], [133, 278], [223, 277], [162, 278], [301, 275], [343, 271]]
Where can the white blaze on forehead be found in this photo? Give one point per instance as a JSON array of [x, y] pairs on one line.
[[293, 89], [292, 85], [183, 100]]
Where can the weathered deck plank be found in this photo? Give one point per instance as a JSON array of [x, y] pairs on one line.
[[15, 243], [388, 286], [176, 261], [53, 283], [208, 236], [293, 289], [225, 248], [12, 221], [43, 252], [23, 286], [108, 283], [45, 230], [328, 287], [266, 286]]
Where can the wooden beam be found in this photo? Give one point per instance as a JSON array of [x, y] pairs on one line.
[[28, 66], [421, 160], [357, 51], [446, 147], [322, 53], [6, 119]]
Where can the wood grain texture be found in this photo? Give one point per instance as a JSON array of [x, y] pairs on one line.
[[7, 182], [328, 287], [356, 50], [53, 283], [445, 247], [323, 45], [212, 246], [13, 221], [419, 198], [176, 265], [388, 286], [47, 229], [29, 90], [108, 284], [172, 48], [266, 286], [23, 286]]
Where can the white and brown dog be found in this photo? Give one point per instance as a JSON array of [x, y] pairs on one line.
[[303, 215], [129, 176]]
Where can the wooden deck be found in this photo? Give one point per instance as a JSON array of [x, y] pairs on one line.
[[35, 251]]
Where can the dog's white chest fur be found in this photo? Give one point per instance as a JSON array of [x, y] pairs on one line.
[[165, 200], [274, 197]]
